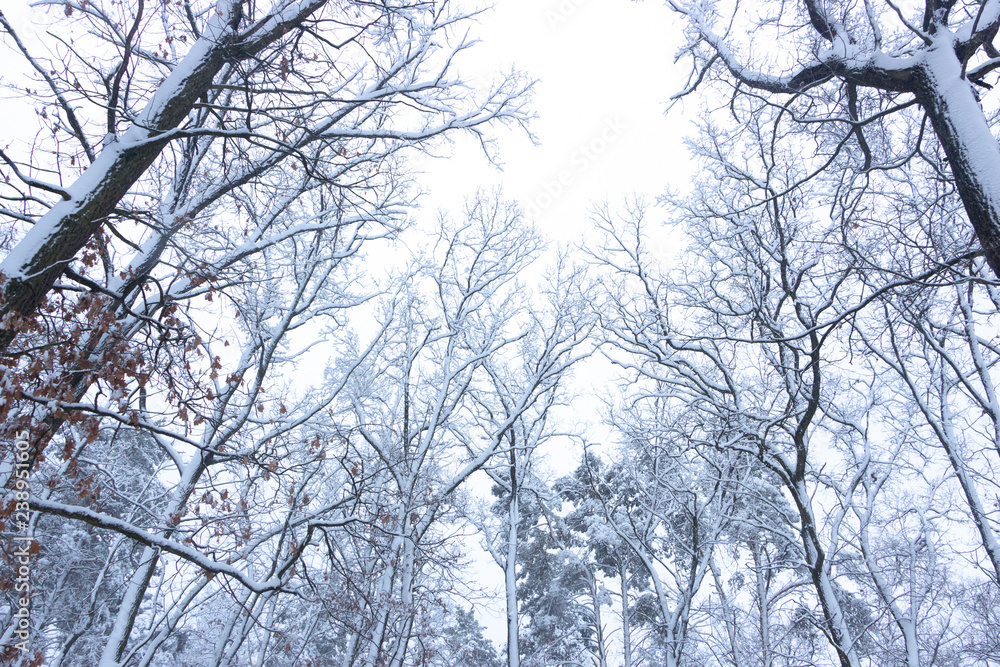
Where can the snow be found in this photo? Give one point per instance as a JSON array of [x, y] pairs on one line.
[[157, 541], [963, 112], [49, 227]]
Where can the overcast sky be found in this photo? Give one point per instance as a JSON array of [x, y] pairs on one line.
[[605, 72], [605, 75]]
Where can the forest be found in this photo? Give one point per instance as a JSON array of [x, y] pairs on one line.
[[262, 407]]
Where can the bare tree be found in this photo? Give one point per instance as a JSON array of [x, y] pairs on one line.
[[466, 382], [944, 360], [228, 162], [187, 105], [522, 496], [685, 334], [851, 70], [247, 483], [796, 335], [208, 206]]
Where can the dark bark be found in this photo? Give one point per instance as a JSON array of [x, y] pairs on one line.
[[959, 143]]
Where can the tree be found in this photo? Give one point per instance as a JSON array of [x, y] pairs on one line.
[[469, 372], [589, 489], [754, 573], [295, 520], [327, 140], [464, 644], [517, 530], [184, 316], [80, 568], [261, 89], [730, 407], [795, 336], [248, 153], [845, 68], [668, 506], [945, 366]]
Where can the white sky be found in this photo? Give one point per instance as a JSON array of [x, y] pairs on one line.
[[605, 71], [605, 74]]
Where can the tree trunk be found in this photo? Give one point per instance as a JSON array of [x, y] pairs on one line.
[[626, 620], [381, 602], [971, 148], [118, 640], [833, 616], [762, 572], [115, 646], [510, 578]]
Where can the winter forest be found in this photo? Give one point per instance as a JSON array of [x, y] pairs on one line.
[[265, 402]]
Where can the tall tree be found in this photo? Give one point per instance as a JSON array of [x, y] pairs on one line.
[[518, 530], [700, 369], [816, 331], [470, 372], [292, 132]]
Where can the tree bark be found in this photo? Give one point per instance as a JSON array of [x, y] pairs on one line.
[[971, 148], [510, 565], [115, 646], [626, 619], [837, 630]]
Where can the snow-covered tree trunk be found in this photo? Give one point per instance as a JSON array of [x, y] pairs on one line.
[[836, 627], [510, 578], [762, 573], [382, 600], [626, 616], [131, 601], [972, 149], [407, 581]]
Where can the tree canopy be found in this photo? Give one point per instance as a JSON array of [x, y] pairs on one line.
[[262, 407]]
